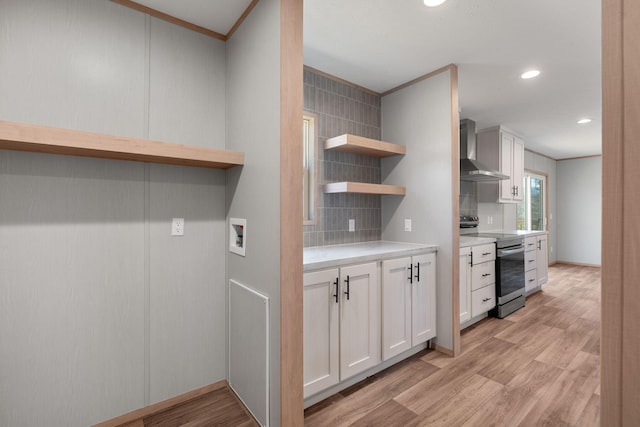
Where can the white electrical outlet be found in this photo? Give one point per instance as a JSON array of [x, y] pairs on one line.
[[177, 227], [407, 225], [352, 225]]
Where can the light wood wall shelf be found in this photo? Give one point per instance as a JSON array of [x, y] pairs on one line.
[[361, 145], [42, 139], [364, 188]]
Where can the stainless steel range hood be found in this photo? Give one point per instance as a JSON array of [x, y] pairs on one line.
[[470, 168]]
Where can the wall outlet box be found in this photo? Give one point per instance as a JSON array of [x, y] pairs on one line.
[[352, 225], [407, 225], [177, 227], [238, 236]]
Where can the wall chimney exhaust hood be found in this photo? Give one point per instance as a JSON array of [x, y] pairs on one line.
[[470, 168]]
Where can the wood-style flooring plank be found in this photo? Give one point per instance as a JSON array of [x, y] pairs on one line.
[[219, 407], [455, 409], [358, 401], [388, 415], [517, 398]]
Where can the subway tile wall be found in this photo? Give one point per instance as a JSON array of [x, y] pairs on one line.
[[468, 198], [341, 109]]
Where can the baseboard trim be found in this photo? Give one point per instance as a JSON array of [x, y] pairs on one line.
[[135, 418], [577, 264], [443, 350]]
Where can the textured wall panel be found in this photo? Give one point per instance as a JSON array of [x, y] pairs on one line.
[[187, 86], [71, 294], [74, 64], [187, 280]]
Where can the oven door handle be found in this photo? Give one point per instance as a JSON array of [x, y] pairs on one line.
[[505, 252]]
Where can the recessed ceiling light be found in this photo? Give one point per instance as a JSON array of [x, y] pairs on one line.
[[433, 3], [530, 74], [584, 121]]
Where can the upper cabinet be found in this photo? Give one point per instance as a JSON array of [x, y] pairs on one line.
[[370, 147], [501, 149]]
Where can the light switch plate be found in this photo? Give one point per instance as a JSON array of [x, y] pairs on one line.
[[352, 225], [407, 225]]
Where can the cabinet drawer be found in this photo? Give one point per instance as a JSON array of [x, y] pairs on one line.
[[530, 243], [483, 300], [530, 280], [482, 275], [483, 253], [529, 260]]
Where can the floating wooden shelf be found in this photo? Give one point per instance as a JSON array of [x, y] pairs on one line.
[[42, 139], [360, 145], [364, 188]]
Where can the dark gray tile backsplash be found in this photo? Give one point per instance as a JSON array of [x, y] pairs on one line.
[[341, 109], [468, 198]]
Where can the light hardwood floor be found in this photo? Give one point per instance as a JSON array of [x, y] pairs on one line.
[[538, 367]]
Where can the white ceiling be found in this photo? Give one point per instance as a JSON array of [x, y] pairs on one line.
[[380, 44]]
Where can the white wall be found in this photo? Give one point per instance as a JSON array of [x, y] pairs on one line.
[[580, 210], [253, 192], [101, 311], [419, 117]]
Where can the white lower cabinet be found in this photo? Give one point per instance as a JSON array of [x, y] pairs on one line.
[[341, 324], [536, 262], [542, 260], [359, 319], [321, 331], [408, 303], [465, 284]]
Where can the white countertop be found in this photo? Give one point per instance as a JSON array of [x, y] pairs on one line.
[[474, 241], [466, 241], [333, 256]]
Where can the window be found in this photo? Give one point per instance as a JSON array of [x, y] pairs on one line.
[[309, 168], [532, 211]]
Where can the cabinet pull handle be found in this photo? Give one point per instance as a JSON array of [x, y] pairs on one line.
[[532, 280], [471, 255], [417, 276], [517, 190], [347, 281], [486, 274], [337, 284], [539, 245], [486, 253], [410, 278], [513, 191], [532, 260], [486, 299]]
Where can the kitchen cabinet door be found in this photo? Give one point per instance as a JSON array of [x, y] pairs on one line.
[[396, 307], [321, 330], [506, 160], [542, 260], [517, 169], [465, 284], [423, 299], [359, 319]]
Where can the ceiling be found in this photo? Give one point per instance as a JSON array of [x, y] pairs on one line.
[[380, 44]]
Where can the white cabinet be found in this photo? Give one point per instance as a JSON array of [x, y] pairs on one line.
[[408, 303], [341, 324], [321, 330], [530, 264], [359, 319], [501, 149], [542, 260], [482, 294], [465, 284], [536, 262]]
